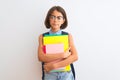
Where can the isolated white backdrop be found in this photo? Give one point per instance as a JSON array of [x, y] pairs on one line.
[[94, 25]]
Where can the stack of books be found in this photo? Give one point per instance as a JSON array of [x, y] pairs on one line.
[[54, 44]]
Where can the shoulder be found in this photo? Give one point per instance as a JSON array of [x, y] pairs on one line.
[[70, 36], [40, 36], [43, 34]]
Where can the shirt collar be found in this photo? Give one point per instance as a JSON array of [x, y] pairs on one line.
[[55, 33]]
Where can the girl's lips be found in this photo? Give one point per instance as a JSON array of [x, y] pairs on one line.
[[55, 24]]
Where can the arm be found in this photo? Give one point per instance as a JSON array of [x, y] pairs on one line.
[[48, 57], [73, 57]]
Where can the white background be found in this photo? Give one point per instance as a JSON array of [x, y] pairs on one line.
[[94, 24]]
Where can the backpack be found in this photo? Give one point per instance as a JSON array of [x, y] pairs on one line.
[[71, 65]]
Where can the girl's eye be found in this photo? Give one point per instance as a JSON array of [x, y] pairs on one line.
[[59, 17], [56, 17]]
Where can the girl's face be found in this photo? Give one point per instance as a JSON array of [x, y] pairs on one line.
[[56, 20]]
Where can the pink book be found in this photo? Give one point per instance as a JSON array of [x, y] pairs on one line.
[[54, 49]]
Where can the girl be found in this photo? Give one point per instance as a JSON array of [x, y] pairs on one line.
[[56, 20]]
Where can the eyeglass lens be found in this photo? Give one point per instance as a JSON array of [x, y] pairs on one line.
[[54, 17]]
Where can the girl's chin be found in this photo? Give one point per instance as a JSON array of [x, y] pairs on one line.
[[55, 27]]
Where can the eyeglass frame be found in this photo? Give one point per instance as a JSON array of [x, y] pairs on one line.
[[59, 18]]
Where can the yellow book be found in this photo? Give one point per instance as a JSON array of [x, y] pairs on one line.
[[58, 39]]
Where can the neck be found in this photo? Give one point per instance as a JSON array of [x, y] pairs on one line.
[[55, 30]]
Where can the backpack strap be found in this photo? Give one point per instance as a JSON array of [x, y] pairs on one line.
[[72, 66], [73, 70], [47, 33], [64, 33]]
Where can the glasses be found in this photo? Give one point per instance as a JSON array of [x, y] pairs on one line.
[[56, 17]]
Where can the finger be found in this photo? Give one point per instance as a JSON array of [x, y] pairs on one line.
[[69, 48]]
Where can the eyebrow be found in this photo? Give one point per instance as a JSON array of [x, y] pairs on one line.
[[56, 16]]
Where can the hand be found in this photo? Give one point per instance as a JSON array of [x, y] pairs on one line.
[[48, 67], [67, 53]]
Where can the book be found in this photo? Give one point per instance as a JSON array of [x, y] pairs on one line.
[[56, 39], [56, 44], [54, 49]]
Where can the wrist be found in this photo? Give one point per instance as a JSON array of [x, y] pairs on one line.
[[62, 55]]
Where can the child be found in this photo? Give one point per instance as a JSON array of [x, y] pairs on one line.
[[56, 20]]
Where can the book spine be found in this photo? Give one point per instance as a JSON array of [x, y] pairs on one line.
[[44, 49]]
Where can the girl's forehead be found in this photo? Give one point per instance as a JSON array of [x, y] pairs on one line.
[[55, 12]]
